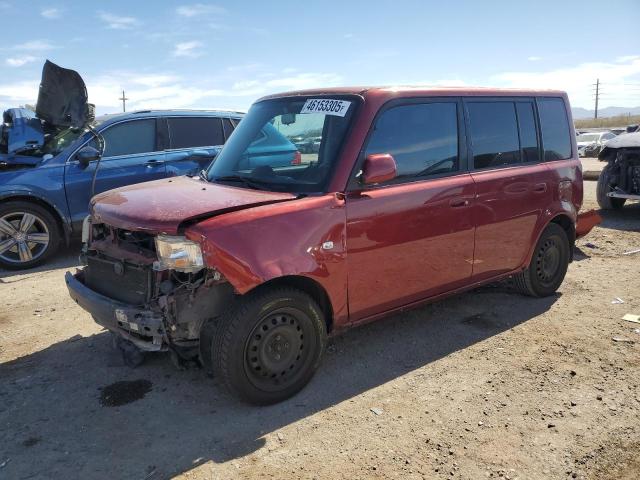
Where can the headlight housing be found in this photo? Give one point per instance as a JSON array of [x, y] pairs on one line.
[[178, 253]]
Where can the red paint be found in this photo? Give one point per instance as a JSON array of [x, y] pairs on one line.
[[162, 205], [378, 168], [374, 250]]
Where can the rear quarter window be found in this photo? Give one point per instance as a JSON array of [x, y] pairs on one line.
[[554, 123]]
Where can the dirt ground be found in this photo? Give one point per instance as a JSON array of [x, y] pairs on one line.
[[487, 384]]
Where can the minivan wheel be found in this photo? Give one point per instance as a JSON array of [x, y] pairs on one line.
[[29, 234], [269, 345], [603, 187], [548, 266]]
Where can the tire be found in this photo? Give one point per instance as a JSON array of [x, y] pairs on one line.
[[548, 266], [604, 187], [19, 222], [269, 345]]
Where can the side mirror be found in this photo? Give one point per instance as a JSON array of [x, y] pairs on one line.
[[86, 155], [378, 168]]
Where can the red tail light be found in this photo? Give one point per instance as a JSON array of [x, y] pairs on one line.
[[297, 158]]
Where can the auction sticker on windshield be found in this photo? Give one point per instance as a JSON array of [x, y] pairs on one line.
[[327, 106]]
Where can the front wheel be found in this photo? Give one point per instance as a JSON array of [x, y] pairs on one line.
[[269, 345], [548, 265], [29, 234]]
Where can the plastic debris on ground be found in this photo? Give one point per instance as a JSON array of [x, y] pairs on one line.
[[617, 301], [630, 317]]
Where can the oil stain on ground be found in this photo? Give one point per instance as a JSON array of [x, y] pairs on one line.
[[121, 393]]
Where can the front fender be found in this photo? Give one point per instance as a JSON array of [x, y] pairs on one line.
[[303, 237]]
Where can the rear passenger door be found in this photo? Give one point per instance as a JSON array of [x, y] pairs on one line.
[[411, 237], [193, 142], [513, 185]]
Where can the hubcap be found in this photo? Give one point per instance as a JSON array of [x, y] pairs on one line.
[[23, 237], [276, 353], [548, 261]]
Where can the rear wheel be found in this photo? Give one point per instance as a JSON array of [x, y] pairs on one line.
[[548, 266], [29, 234], [604, 187], [269, 345]]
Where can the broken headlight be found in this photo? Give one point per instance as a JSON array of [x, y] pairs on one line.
[[178, 253]]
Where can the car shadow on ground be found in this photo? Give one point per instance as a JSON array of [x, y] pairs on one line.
[[54, 425], [65, 257]]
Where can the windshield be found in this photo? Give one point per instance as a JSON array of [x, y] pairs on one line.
[[588, 137], [56, 143], [285, 144]]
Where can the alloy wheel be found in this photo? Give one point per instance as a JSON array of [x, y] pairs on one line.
[[24, 237]]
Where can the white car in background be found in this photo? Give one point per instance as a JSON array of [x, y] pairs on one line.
[[590, 144]]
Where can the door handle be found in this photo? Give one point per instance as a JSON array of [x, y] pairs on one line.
[[458, 202], [540, 187], [153, 163]]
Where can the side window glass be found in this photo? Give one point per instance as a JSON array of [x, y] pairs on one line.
[[129, 138], [527, 129], [554, 124], [494, 134], [189, 132], [423, 138]]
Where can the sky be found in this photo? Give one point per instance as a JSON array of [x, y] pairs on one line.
[[182, 54]]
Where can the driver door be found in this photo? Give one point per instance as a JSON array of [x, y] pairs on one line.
[[131, 155], [411, 237]]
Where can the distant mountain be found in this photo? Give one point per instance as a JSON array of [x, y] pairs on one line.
[[580, 113]]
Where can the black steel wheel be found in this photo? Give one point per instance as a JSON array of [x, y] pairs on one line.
[[269, 345], [28, 235], [548, 266]]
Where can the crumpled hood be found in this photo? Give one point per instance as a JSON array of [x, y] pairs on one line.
[[62, 98], [14, 161], [162, 206], [21, 131]]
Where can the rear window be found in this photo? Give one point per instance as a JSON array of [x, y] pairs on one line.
[[189, 132], [556, 136], [494, 134]]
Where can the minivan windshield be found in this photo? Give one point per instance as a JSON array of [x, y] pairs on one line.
[[287, 144]]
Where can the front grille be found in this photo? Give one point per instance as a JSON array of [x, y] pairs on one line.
[[118, 280]]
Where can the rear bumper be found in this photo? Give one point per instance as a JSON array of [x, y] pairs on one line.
[[144, 328]]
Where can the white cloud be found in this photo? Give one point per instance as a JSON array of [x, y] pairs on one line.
[[534, 59], [188, 49], [50, 13], [199, 9], [118, 22], [34, 46], [19, 61], [577, 81]]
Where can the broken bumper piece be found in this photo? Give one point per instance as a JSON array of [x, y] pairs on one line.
[[142, 327]]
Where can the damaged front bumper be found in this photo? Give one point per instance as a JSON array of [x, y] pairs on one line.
[[144, 328]]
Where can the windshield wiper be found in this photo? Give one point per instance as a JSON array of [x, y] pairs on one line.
[[248, 182]]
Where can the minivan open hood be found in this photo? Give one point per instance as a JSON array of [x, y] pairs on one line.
[[162, 206], [62, 98]]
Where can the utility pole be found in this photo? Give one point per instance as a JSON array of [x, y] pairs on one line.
[[597, 96], [124, 99]]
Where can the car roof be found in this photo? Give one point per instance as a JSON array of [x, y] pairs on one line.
[[117, 117], [392, 91]]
